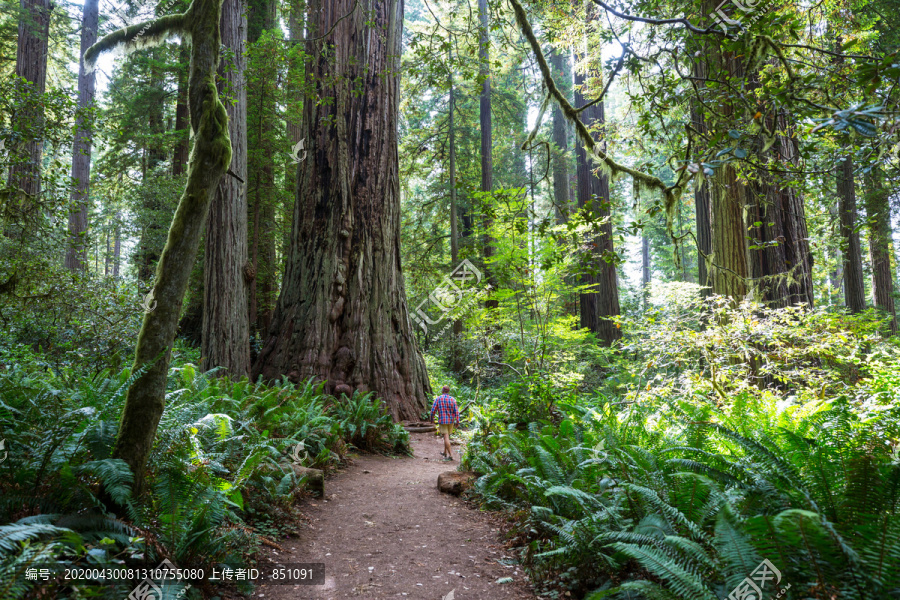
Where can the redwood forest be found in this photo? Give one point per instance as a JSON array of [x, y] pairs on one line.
[[449, 299]]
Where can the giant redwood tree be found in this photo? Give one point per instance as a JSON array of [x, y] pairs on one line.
[[342, 315]]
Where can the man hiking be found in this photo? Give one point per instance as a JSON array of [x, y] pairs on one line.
[[448, 416]]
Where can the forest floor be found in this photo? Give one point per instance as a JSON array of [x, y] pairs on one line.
[[384, 530]]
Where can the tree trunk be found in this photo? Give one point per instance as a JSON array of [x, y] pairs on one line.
[[854, 287], [76, 253], [878, 212], [730, 267], [226, 330], [261, 166], [117, 245], [645, 267], [562, 200], [210, 159], [293, 110], [31, 65], [342, 315], [602, 301], [701, 192], [180, 156], [148, 252], [487, 161], [780, 258]]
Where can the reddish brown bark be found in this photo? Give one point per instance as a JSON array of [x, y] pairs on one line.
[[225, 330], [342, 315], [602, 301]]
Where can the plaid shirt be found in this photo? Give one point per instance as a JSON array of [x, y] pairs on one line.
[[445, 407]]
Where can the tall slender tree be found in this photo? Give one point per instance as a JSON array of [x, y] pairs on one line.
[[601, 300], [851, 250], [878, 213], [562, 199], [342, 314], [484, 118], [262, 193], [76, 253]]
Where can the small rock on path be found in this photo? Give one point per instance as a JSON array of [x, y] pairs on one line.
[[385, 531]]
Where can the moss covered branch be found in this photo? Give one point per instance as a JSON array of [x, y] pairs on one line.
[[134, 37], [210, 159], [670, 194]]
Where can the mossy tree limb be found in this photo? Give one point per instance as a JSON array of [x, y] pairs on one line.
[[670, 193], [209, 161]]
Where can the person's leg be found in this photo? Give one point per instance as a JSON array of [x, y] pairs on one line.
[[447, 449]]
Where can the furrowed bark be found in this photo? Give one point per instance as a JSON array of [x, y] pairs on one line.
[[31, 66], [226, 329], [342, 315]]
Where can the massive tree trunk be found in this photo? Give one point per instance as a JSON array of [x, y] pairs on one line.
[[31, 65], [487, 161], [210, 158], [226, 330], [854, 286], [76, 253], [342, 315], [878, 213], [602, 301]]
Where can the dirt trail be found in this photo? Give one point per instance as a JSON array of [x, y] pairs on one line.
[[385, 531]]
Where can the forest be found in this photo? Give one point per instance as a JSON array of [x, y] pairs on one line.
[[650, 246]]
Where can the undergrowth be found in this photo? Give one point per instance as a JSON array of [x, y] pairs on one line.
[[730, 436], [219, 479]]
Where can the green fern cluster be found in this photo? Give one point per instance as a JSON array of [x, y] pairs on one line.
[[685, 502]]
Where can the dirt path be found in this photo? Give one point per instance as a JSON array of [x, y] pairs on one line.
[[385, 531]]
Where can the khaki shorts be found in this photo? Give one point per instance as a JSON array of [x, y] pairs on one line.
[[445, 428]]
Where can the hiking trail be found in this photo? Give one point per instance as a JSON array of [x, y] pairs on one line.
[[384, 530]]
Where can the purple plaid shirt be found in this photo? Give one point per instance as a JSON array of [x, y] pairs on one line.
[[445, 407]]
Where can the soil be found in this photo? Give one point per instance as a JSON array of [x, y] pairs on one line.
[[384, 530]]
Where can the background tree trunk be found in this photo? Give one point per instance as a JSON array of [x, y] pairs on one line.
[[781, 261], [603, 299], [854, 286], [342, 314], [731, 271], [562, 76], [261, 170], [31, 65], [226, 330], [878, 212], [487, 161], [76, 253], [180, 156], [701, 191]]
